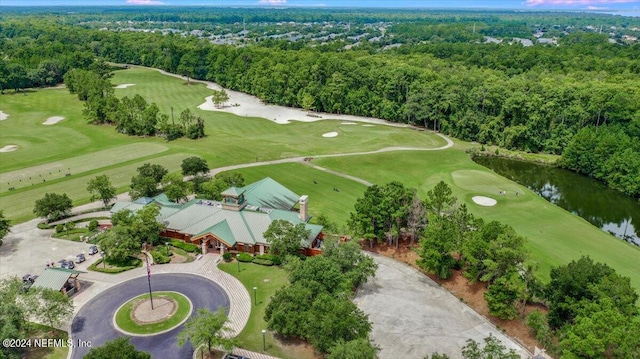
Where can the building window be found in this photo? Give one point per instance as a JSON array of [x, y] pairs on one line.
[[246, 248]]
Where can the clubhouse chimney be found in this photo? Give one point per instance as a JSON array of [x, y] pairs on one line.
[[304, 209]]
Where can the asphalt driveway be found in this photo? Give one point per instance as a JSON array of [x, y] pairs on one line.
[[413, 317], [94, 322]]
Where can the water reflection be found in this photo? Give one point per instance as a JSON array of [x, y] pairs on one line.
[[603, 207]]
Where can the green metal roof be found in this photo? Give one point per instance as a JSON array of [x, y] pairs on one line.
[[268, 201], [163, 200], [222, 231], [54, 278], [232, 191], [270, 194]]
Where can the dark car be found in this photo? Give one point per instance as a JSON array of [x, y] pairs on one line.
[[28, 278], [93, 250], [233, 356], [66, 264], [80, 258]]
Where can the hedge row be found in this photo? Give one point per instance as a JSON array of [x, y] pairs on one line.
[[270, 257], [264, 262], [192, 248]]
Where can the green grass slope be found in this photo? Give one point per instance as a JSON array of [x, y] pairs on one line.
[[322, 197], [48, 153], [555, 236]]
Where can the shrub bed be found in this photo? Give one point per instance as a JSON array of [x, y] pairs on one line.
[[264, 262], [192, 248], [93, 225], [226, 256], [244, 257], [160, 258]]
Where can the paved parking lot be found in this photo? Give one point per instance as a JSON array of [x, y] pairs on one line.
[[413, 317], [26, 249]]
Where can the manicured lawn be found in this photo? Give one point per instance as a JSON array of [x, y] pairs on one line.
[[124, 321], [47, 153], [555, 235], [18, 205], [79, 164], [268, 280], [322, 197]]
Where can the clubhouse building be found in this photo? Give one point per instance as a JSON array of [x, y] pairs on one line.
[[235, 224]]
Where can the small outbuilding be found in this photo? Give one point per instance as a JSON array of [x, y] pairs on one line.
[[62, 279]]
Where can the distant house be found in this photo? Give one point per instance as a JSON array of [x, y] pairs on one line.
[[238, 222]]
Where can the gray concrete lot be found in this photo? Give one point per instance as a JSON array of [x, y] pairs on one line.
[[26, 249], [413, 317]]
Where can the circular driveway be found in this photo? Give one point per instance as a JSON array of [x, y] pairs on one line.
[[94, 322]]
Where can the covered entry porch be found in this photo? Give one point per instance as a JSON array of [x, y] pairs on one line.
[[211, 243]]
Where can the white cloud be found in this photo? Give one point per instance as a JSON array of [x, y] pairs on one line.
[[145, 2], [273, 2], [574, 2]]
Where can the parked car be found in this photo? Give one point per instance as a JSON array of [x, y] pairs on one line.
[[28, 278], [233, 356], [93, 250], [80, 258], [63, 263]]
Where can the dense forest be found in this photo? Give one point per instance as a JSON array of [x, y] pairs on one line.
[[580, 98]]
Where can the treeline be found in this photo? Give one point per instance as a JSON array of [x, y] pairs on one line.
[[580, 295], [608, 153], [514, 98], [131, 116]]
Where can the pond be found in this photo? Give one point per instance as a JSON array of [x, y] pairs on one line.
[[605, 208]]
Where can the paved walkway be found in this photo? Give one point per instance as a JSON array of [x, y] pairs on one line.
[[82, 216], [414, 317]]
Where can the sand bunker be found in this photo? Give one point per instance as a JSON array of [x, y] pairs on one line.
[[124, 86], [8, 148], [3, 116], [53, 120], [330, 134], [368, 125], [348, 123], [484, 201]]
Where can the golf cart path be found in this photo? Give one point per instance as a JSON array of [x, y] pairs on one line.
[[306, 159]]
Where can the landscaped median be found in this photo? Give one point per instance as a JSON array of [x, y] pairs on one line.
[[145, 316]]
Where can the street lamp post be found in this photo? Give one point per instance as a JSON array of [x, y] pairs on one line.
[[255, 296], [102, 255], [264, 340], [238, 260]]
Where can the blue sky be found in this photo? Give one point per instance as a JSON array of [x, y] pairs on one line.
[[507, 4]]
